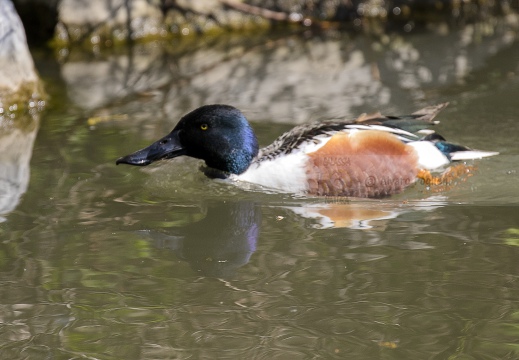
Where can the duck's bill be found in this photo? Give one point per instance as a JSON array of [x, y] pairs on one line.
[[166, 148]]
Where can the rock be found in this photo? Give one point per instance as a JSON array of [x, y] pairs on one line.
[[19, 81], [20, 88], [129, 17], [103, 22], [100, 22]]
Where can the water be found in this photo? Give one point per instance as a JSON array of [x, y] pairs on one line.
[[106, 262]]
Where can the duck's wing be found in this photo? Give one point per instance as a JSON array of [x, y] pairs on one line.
[[403, 127]]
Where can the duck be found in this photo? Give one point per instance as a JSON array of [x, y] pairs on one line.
[[371, 156]]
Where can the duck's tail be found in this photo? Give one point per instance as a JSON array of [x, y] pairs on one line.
[[434, 151], [456, 152]]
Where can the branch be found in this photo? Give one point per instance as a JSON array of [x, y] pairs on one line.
[[255, 10]]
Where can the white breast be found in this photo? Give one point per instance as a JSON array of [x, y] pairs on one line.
[[286, 172]]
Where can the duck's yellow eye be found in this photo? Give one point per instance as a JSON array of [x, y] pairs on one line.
[[204, 126]]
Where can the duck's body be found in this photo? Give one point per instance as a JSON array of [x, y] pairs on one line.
[[354, 163], [371, 156]]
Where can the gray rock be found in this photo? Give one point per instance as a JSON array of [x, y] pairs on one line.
[[79, 19], [101, 22], [19, 81]]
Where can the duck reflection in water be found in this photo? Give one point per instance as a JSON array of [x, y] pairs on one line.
[[220, 243], [226, 238]]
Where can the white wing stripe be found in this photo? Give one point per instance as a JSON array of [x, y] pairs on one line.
[[382, 128]]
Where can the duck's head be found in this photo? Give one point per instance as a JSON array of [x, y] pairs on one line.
[[218, 134]]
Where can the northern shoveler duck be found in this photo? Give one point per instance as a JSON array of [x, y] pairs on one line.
[[371, 156]]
